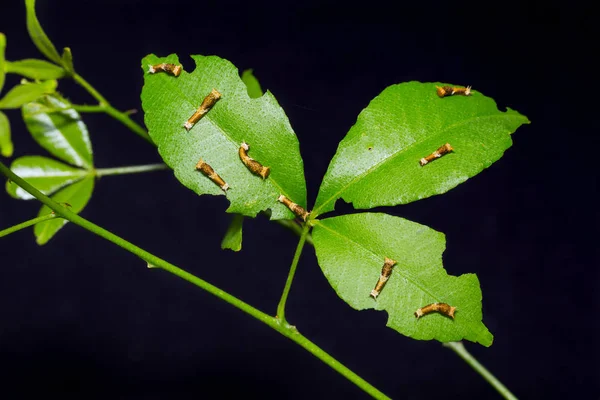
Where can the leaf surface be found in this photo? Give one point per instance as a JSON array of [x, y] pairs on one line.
[[26, 92], [37, 34], [62, 133], [252, 84], [169, 101], [233, 237], [6, 145], [67, 60], [75, 197], [351, 250], [45, 174], [35, 69], [377, 163], [2, 60]]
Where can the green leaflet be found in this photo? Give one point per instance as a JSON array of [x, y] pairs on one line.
[[351, 250], [67, 60], [45, 174], [75, 197], [233, 237], [35, 69], [2, 60], [168, 102], [37, 34], [26, 92], [61, 133], [252, 84], [377, 163], [6, 145]]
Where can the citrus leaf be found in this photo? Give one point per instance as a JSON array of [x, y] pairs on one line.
[[2, 59], [75, 197], [37, 34], [62, 133], [27, 92], [377, 163], [169, 101], [233, 237], [67, 60], [351, 250], [252, 84], [35, 69], [6, 145], [45, 174]]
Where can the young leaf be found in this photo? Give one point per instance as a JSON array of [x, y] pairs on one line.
[[2, 59], [61, 133], [351, 250], [45, 174], [75, 196], [233, 237], [67, 60], [35, 69], [169, 102], [252, 84], [26, 92], [37, 34], [6, 146], [377, 163]]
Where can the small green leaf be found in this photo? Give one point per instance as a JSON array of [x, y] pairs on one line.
[[35, 69], [67, 60], [168, 103], [2, 60], [27, 92], [61, 133], [6, 146], [45, 174], [377, 163], [252, 84], [75, 197], [233, 237], [37, 34], [351, 250]]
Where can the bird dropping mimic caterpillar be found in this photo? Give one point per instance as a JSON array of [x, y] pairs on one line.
[[295, 208], [172, 69], [386, 271], [445, 149], [208, 103], [442, 308], [254, 166], [209, 172]]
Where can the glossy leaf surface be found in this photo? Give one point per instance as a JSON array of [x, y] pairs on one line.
[[25, 93], [377, 163], [351, 250], [35, 69], [75, 197], [61, 133], [169, 101]]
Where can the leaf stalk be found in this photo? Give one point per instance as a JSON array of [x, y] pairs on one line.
[[26, 224]]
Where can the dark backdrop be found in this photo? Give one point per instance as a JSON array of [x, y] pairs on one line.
[[81, 316]]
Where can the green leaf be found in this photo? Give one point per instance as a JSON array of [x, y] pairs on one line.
[[351, 250], [6, 146], [233, 237], [168, 102], [35, 69], [75, 197], [61, 133], [45, 174], [26, 92], [37, 34], [377, 163], [2, 60], [67, 60], [252, 84]]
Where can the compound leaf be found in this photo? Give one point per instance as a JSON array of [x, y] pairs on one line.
[[35, 69], [62, 133], [26, 92], [75, 197], [45, 174], [6, 145], [377, 163], [169, 101], [351, 250]]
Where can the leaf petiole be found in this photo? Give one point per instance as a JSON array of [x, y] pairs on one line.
[[135, 169], [26, 224]]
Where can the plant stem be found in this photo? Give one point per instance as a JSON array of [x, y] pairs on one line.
[[110, 110], [26, 224], [135, 169], [291, 224], [290, 278], [153, 261], [460, 349]]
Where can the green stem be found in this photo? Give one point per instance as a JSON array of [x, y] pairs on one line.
[[135, 169], [26, 224], [460, 349], [290, 278], [153, 261], [76, 107], [291, 224], [122, 117]]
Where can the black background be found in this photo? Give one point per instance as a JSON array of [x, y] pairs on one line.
[[81, 316]]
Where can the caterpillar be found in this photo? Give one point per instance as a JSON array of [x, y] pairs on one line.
[[209, 172], [208, 102], [445, 149], [442, 308], [444, 91], [253, 165], [172, 69], [295, 208], [386, 271]]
